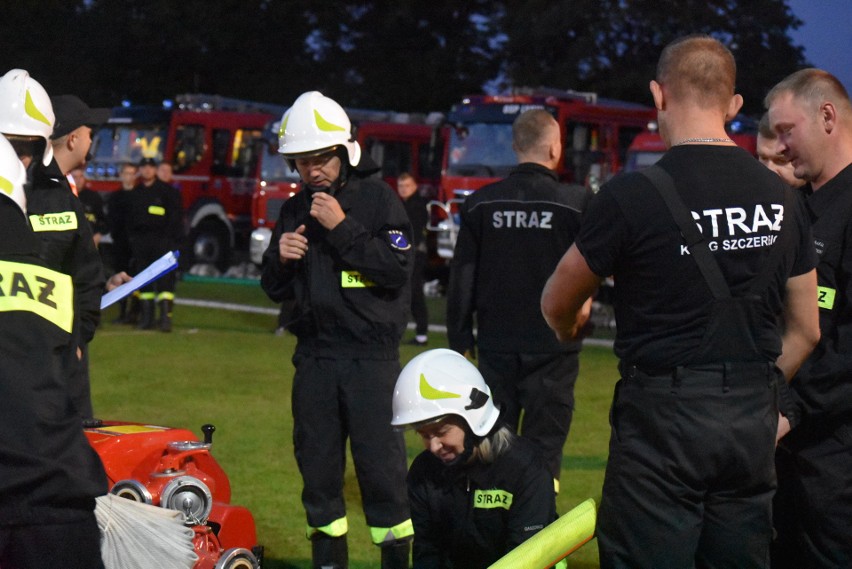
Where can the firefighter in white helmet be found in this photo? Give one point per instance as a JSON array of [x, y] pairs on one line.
[[49, 474], [341, 253], [53, 139], [478, 490]]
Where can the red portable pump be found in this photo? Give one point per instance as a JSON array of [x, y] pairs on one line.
[[171, 468]]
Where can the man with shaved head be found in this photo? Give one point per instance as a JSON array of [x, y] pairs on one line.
[[708, 250]]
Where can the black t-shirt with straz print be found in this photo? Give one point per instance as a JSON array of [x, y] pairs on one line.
[[662, 302]]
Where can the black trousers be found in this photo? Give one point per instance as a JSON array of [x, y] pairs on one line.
[[813, 506], [75, 545], [540, 385], [690, 477], [339, 399], [418, 299]]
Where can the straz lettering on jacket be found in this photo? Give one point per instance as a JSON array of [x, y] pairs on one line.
[[519, 219], [41, 291], [354, 279], [59, 221], [736, 228], [487, 499]]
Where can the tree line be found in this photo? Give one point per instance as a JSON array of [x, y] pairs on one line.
[[403, 55]]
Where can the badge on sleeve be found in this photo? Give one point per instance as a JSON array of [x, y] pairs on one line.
[[398, 240]]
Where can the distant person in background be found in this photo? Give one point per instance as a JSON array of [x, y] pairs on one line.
[[117, 209], [415, 207], [811, 113], [767, 153], [154, 227], [93, 205], [165, 172]]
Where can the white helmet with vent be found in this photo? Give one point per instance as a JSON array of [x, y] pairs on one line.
[[443, 382], [12, 175], [314, 125], [25, 109]]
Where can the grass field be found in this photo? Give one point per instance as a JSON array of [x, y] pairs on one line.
[[227, 368]]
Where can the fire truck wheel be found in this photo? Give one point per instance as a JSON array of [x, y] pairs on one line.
[[237, 558], [210, 245]]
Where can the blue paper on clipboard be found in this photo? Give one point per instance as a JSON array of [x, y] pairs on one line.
[[152, 272]]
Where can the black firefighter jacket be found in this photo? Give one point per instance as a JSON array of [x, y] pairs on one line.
[[351, 291]]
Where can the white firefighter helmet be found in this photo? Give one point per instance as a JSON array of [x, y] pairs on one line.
[[25, 109], [315, 124], [443, 382], [12, 175]]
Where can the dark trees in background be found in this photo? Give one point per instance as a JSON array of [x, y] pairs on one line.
[[405, 55]]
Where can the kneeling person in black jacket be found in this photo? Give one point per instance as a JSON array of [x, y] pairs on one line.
[[478, 490]]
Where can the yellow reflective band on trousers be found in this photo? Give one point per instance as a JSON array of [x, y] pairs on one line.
[[43, 292], [354, 279], [59, 221], [165, 296], [487, 499], [825, 297], [156, 210], [147, 296], [336, 528], [386, 535]]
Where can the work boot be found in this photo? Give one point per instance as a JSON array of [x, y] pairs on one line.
[[329, 552], [133, 309], [395, 554], [165, 315], [146, 314]]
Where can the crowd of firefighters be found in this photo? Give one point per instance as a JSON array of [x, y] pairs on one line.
[[731, 296]]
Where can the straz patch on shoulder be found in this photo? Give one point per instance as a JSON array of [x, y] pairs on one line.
[[354, 279], [59, 221], [398, 241], [488, 499]]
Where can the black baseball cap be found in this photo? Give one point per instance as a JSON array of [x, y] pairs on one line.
[[72, 113], [147, 162]]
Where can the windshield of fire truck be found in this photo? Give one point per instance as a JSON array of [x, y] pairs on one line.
[[274, 168], [114, 144], [481, 149]]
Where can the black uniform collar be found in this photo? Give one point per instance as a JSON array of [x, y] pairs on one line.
[[824, 199], [532, 167]]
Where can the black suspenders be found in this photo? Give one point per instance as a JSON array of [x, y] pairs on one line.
[[697, 242]]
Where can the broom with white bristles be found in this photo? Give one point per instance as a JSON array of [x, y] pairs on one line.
[[140, 536]]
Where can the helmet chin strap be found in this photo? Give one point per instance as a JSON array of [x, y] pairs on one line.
[[331, 190]]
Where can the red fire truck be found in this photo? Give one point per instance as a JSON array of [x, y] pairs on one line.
[[648, 146], [595, 132], [397, 142], [213, 144]]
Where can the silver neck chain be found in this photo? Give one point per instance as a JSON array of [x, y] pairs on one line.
[[702, 141]]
